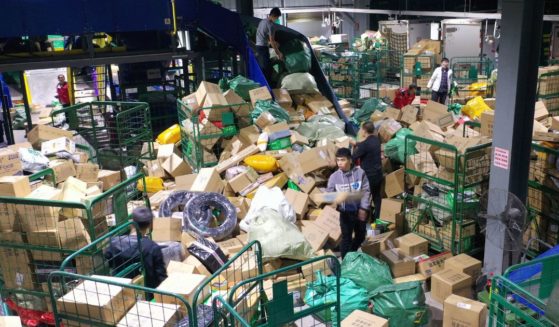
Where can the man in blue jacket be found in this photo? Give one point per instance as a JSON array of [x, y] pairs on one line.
[[354, 210]]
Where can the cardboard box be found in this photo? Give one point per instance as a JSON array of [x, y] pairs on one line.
[[205, 88], [40, 218], [62, 144], [388, 129], [207, 180], [73, 190], [394, 183], [314, 234], [360, 318], [234, 99], [433, 264], [15, 264], [185, 182], [8, 222], [299, 201], [145, 313], [249, 134], [422, 162], [10, 163], [409, 115], [463, 312], [73, 234], [555, 123], [400, 264], [390, 208], [165, 151], [153, 168], [438, 114], [109, 178], [486, 120], [283, 98], [319, 104], [371, 247], [180, 267], [265, 119], [317, 158], [87, 172], [465, 264], [393, 113], [243, 180], [181, 284], [241, 205], [410, 278], [199, 267], [412, 244], [215, 100], [166, 229], [42, 133], [15, 186], [448, 282], [63, 169], [540, 111], [231, 246], [176, 166], [329, 219], [261, 93], [277, 131], [386, 240], [235, 159], [107, 303], [10, 321]]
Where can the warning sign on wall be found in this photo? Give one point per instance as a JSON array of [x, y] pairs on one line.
[[501, 158]]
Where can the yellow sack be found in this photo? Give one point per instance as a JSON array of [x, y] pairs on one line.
[[477, 89], [154, 185], [475, 107], [170, 136], [262, 163]]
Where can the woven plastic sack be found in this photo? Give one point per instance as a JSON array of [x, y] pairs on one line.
[[268, 198], [299, 82], [170, 136], [402, 304], [297, 56], [475, 107], [323, 290], [366, 271], [319, 131], [268, 227], [395, 149], [242, 85], [33, 160], [269, 106]]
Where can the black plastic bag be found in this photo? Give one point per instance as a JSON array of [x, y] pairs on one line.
[[209, 254]]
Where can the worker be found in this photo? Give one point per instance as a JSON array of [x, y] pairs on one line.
[[368, 154], [440, 82], [62, 92], [265, 37], [353, 210], [405, 96], [123, 251]]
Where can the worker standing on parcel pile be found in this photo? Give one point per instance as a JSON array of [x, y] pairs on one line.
[[440, 82], [354, 210], [367, 154], [265, 36], [123, 251]]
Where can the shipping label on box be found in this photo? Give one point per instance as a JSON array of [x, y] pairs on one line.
[[433, 264], [448, 282], [62, 144], [487, 118], [464, 312], [10, 163]]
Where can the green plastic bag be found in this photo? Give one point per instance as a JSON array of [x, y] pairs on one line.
[[19, 119], [366, 271], [367, 109], [242, 85], [395, 149], [323, 290], [270, 106], [297, 56], [402, 304], [455, 108]]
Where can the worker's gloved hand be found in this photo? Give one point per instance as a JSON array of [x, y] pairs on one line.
[[362, 215]]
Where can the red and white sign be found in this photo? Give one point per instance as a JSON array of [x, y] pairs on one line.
[[501, 158]]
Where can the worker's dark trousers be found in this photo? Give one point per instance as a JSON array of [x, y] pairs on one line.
[[375, 184], [349, 224], [439, 97], [264, 61]]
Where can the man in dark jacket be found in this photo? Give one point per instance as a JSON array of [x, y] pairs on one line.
[[123, 251], [368, 153], [353, 210]]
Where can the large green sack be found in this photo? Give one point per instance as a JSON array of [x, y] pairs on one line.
[[366, 271], [395, 149], [268, 227], [315, 131], [364, 113], [402, 304], [299, 82], [297, 56], [270, 106], [323, 290], [242, 85]]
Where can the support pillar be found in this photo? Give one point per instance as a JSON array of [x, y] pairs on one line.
[[521, 27]]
